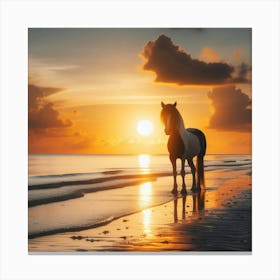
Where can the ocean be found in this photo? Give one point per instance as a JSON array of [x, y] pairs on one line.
[[74, 192]]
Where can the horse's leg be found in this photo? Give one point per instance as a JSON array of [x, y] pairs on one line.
[[193, 170], [173, 161], [198, 174], [199, 167], [183, 173]]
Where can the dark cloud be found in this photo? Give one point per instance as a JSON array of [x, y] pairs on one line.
[[242, 72], [37, 94], [41, 113], [232, 109], [173, 65]]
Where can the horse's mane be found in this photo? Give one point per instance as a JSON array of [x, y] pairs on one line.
[[176, 116]]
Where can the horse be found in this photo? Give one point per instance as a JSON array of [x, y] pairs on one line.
[[184, 144]]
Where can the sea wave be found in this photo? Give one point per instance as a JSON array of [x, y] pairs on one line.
[[73, 228], [61, 180], [61, 190], [80, 181], [93, 202], [46, 195]]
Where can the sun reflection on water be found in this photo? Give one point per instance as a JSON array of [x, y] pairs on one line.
[[147, 222], [145, 199], [145, 194], [144, 163]]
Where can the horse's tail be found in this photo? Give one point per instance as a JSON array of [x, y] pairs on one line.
[[200, 170], [200, 158]]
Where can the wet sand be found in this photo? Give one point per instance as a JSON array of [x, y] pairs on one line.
[[216, 220]]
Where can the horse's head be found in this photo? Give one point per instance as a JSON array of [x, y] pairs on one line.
[[169, 116]]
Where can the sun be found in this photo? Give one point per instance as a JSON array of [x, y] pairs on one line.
[[145, 127]]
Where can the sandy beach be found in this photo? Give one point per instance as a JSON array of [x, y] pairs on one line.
[[217, 219]]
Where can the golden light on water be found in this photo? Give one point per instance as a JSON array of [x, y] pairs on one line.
[[145, 198], [147, 221], [146, 191], [144, 162]]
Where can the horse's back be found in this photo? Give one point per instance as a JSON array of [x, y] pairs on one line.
[[202, 139]]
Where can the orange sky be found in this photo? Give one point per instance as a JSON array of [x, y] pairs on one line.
[[89, 88]]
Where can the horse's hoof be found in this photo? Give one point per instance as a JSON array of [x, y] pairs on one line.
[[183, 192], [174, 191]]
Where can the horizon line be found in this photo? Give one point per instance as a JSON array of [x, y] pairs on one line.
[[127, 154]]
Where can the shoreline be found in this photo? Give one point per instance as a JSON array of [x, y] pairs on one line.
[[222, 217]]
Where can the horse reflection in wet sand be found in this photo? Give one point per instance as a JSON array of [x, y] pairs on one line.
[[184, 144], [198, 205]]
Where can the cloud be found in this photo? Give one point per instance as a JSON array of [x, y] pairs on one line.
[[41, 113], [173, 65], [37, 94], [232, 109], [209, 55], [242, 72]]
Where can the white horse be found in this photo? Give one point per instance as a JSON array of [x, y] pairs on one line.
[[184, 144]]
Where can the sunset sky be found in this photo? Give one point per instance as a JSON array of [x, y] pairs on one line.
[[89, 88]]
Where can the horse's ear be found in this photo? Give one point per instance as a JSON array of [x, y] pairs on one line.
[[175, 104], [162, 104]]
